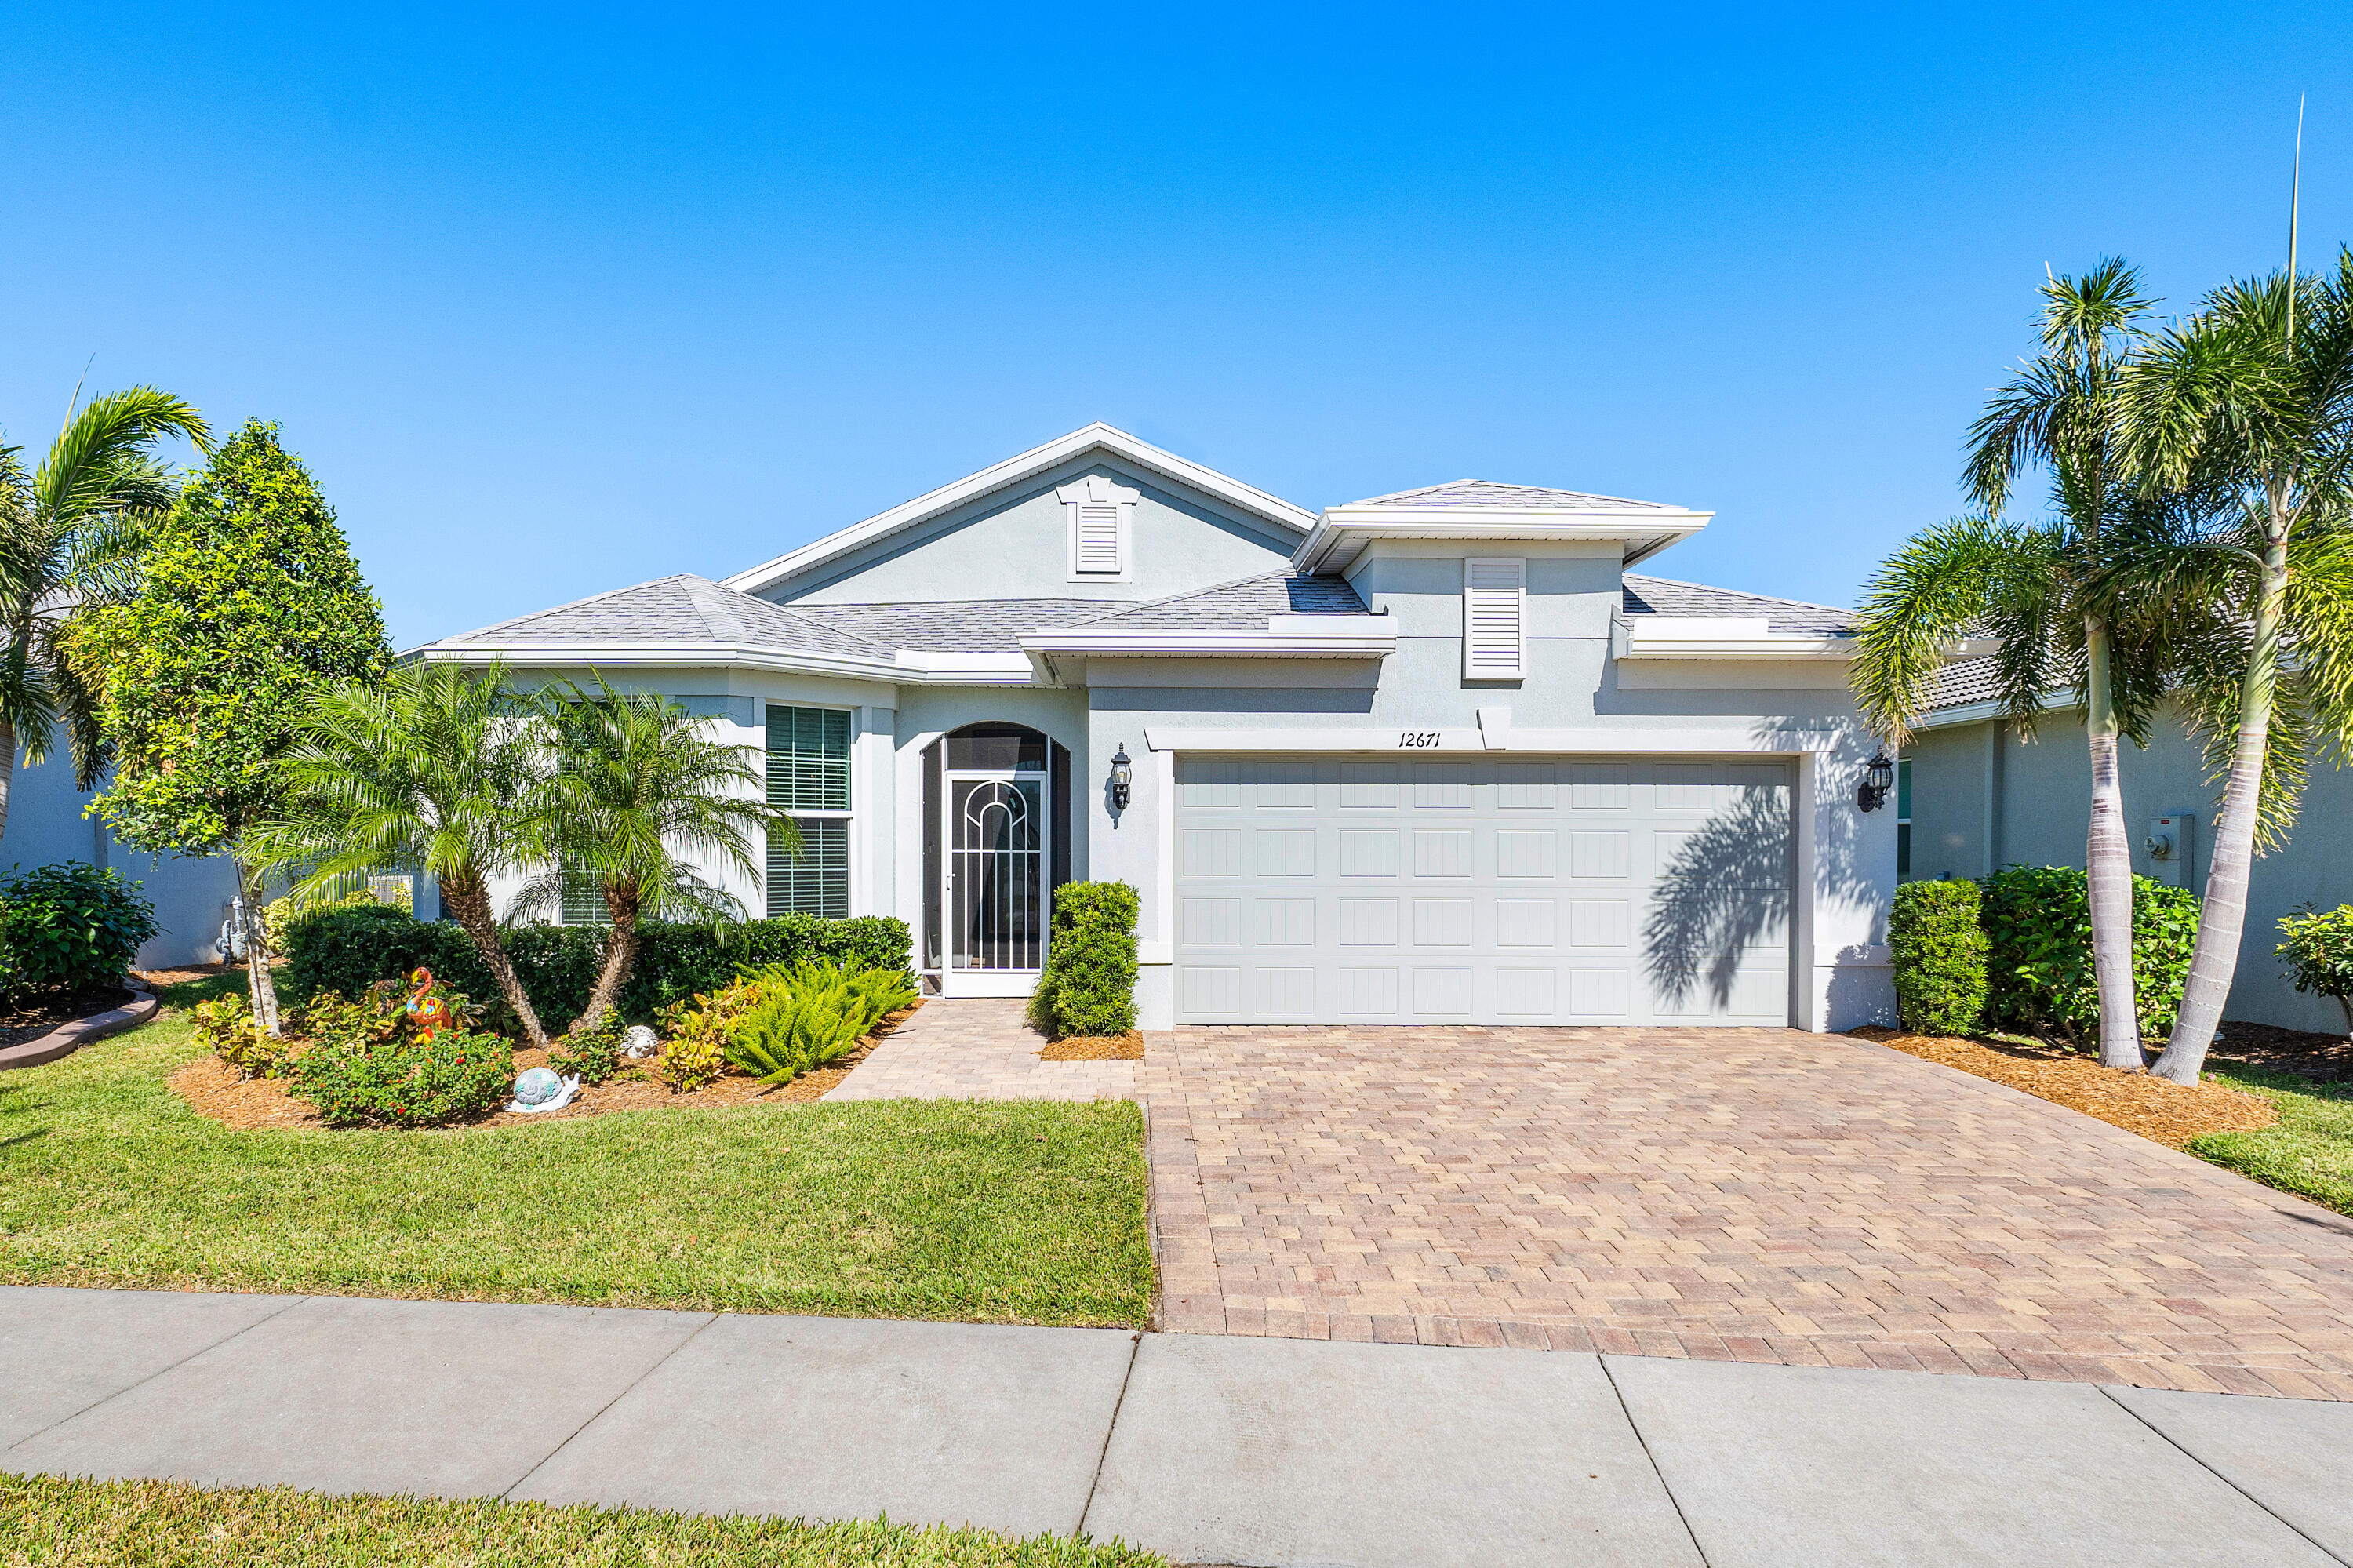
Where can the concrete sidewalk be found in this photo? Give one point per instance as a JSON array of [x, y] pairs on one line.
[[1208, 1449]]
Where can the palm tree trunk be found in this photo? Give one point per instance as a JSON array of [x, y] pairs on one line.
[[2107, 867], [8, 769], [469, 900], [620, 955], [2222, 916], [260, 984]]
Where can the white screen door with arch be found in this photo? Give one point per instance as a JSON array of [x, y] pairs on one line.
[[997, 870]]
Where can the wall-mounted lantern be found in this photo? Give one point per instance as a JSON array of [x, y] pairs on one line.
[[1122, 774], [1878, 778]]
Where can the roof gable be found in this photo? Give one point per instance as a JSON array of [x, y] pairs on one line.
[[1014, 470]]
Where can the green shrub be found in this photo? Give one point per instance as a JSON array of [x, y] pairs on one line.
[[1939, 946], [369, 1064], [350, 949], [225, 1027], [71, 926], [595, 1053], [807, 1014], [2038, 923], [2317, 946], [1089, 986]]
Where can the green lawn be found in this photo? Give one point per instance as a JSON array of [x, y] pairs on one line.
[[2309, 1153], [1002, 1212], [165, 1524]]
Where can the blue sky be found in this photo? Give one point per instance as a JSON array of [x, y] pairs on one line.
[[554, 301]]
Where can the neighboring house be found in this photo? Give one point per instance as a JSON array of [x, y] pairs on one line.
[[1975, 796], [45, 826], [1436, 756]]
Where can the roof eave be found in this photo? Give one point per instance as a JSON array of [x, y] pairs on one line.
[[1011, 471], [1341, 534]]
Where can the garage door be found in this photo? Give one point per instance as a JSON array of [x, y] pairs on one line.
[[1552, 891]]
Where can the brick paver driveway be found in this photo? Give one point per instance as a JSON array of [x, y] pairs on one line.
[[1744, 1194]]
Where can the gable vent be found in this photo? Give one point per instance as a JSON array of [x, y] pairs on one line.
[[1494, 619], [1098, 539]]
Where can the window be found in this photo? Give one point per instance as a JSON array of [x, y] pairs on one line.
[[1100, 517], [808, 781], [583, 901], [1494, 621], [1904, 818]]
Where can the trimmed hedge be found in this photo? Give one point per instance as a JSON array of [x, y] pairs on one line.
[[1940, 955], [1089, 986], [2037, 925], [347, 950]]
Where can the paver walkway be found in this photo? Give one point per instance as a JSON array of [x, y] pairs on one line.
[[1268, 1453], [976, 1048], [1749, 1195]]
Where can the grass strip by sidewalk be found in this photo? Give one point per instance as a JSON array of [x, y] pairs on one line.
[[170, 1524], [2309, 1153], [984, 1212]]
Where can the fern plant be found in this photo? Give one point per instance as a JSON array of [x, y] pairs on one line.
[[810, 1014]]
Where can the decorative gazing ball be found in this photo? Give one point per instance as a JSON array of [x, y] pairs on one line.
[[537, 1087], [640, 1043]]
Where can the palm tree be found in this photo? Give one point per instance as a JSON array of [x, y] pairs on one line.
[[69, 535], [2025, 585], [642, 788], [2251, 399], [439, 769]]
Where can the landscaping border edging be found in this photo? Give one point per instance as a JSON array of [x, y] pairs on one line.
[[68, 1038]]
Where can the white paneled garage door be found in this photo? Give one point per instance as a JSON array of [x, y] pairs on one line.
[[1569, 890]]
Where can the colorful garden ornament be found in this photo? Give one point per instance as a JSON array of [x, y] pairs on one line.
[[430, 1012]]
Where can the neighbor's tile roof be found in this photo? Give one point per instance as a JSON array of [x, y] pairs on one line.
[[1481, 492], [1664, 596], [1964, 681], [680, 609], [957, 626], [1241, 606]]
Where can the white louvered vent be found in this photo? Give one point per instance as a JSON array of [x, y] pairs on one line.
[[1494, 619], [1098, 547]]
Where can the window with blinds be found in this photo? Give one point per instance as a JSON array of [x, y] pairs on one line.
[[1098, 543], [1494, 619], [583, 900], [808, 781]]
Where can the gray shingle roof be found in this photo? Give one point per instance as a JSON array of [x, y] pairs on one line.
[[958, 626], [1241, 606], [1481, 492], [680, 609], [1664, 596]]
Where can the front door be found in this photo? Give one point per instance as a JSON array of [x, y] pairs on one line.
[[995, 893]]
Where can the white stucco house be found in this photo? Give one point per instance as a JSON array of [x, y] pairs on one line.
[[1436, 756]]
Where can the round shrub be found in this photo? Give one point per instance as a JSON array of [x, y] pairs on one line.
[[1940, 955], [71, 926], [2039, 971], [404, 1082]]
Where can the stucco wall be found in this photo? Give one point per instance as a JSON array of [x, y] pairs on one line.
[[2040, 794], [1014, 546], [191, 894], [1576, 691]]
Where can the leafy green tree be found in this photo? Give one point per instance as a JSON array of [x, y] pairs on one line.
[[249, 605], [69, 533], [643, 790], [2027, 585], [2250, 399], [434, 766]]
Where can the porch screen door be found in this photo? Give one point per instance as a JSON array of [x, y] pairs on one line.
[[996, 874]]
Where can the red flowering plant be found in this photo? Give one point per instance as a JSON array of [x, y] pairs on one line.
[[381, 1061]]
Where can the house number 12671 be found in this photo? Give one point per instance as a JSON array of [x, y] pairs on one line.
[[1418, 740]]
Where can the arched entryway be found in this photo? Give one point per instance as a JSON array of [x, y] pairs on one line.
[[996, 844]]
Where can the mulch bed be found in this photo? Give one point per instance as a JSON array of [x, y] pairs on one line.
[[35, 1016], [212, 1088], [2324, 1057], [2153, 1108], [1127, 1047], [159, 979]]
